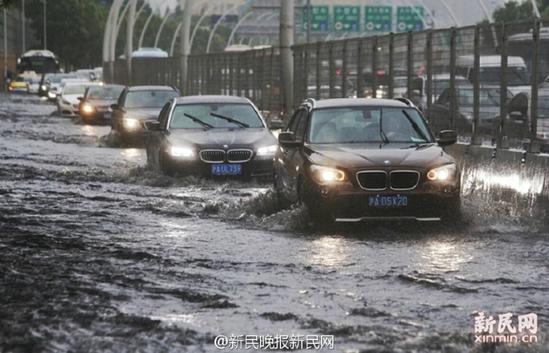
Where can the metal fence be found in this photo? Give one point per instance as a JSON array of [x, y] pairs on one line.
[[479, 80]]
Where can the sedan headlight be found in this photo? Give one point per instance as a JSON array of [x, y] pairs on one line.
[[181, 152], [327, 175], [131, 124], [446, 172], [44, 87], [52, 95], [87, 108], [267, 151]]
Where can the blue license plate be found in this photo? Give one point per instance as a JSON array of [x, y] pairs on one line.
[[388, 201], [226, 169]]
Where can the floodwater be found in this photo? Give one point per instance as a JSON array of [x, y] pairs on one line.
[[99, 254]]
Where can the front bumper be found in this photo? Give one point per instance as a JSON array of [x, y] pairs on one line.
[[430, 201]]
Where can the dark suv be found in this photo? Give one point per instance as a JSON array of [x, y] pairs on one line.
[[366, 159]]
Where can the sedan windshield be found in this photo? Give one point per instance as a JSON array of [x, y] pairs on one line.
[[149, 99], [368, 125], [215, 115], [105, 92]]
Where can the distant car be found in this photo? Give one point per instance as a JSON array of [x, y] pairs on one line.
[[96, 102], [68, 103], [439, 113], [350, 160], [149, 53], [50, 84], [518, 120], [136, 105], [440, 82], [18, 85], [211, 136]]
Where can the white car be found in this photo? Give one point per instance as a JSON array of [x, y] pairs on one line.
[[68, 102]]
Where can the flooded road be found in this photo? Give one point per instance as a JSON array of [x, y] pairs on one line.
[[99, 254]]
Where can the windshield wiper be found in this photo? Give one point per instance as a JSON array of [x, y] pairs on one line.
[[418, 145], [384, 138], [196, 120], [229, 119], [415, 126]]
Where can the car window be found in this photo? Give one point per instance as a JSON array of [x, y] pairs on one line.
[[216, 115], [104, 92], [148, 98], [368, 125], [74, 89], [301, 123]]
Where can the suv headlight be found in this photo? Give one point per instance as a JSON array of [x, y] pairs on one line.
[[267, 151], [327, 175], [87, 108], [446, 172], [181, 152]]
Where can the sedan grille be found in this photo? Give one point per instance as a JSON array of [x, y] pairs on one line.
[[404, 179], [239, 156], [372, 179], [212, 156]]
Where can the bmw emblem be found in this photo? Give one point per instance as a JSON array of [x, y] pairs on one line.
[[387, 162], [225, 146]]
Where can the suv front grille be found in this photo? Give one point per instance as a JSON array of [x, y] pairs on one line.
[[212, 156], [239, 156], [404, 179], [375, 180]]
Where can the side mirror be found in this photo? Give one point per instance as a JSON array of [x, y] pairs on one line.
[[287, 139], [152, 125], [114, 106], [80, 99], [276, 124], [447, 137]]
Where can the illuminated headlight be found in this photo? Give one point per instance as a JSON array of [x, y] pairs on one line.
[[131, 124], [182, 152], [52, 95], [44, 87], [87, 108], [327, 175], [267, 151], [443, 173]]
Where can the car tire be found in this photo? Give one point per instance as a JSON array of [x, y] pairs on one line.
[[319, 211], [282, 200], [165, 164]]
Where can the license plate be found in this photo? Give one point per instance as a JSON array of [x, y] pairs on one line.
[[388, 201], [226, 169]]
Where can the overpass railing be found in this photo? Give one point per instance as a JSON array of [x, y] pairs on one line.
[[480, 80]]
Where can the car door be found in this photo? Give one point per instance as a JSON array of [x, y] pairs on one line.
[[291, 156], [118, 112]]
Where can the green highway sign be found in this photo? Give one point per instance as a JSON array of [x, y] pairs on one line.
[[409, 18], [320, 18], [346, 18], [378, 19]]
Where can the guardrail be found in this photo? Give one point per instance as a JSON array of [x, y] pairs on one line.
[[455, 76]]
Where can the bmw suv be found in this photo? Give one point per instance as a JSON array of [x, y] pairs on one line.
[[350, 160]]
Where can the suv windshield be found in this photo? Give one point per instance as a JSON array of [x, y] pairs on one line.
[[368, 125], [74, 89], [149, 99], [104, 92], [488, 97], [215, 115]]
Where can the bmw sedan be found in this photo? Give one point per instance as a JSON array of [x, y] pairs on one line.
[[213, 136], [95, 104], [350, 160]]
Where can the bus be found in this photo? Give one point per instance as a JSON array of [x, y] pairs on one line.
[[39, 61]]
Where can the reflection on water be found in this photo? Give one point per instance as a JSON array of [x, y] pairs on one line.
[[89, 130], [443, 256], [488, 180], [131, 153], [327, 251]]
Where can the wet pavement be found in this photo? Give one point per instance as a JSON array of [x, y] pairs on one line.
[[100, 254]]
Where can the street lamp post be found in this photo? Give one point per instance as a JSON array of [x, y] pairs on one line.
[[45, 18]]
